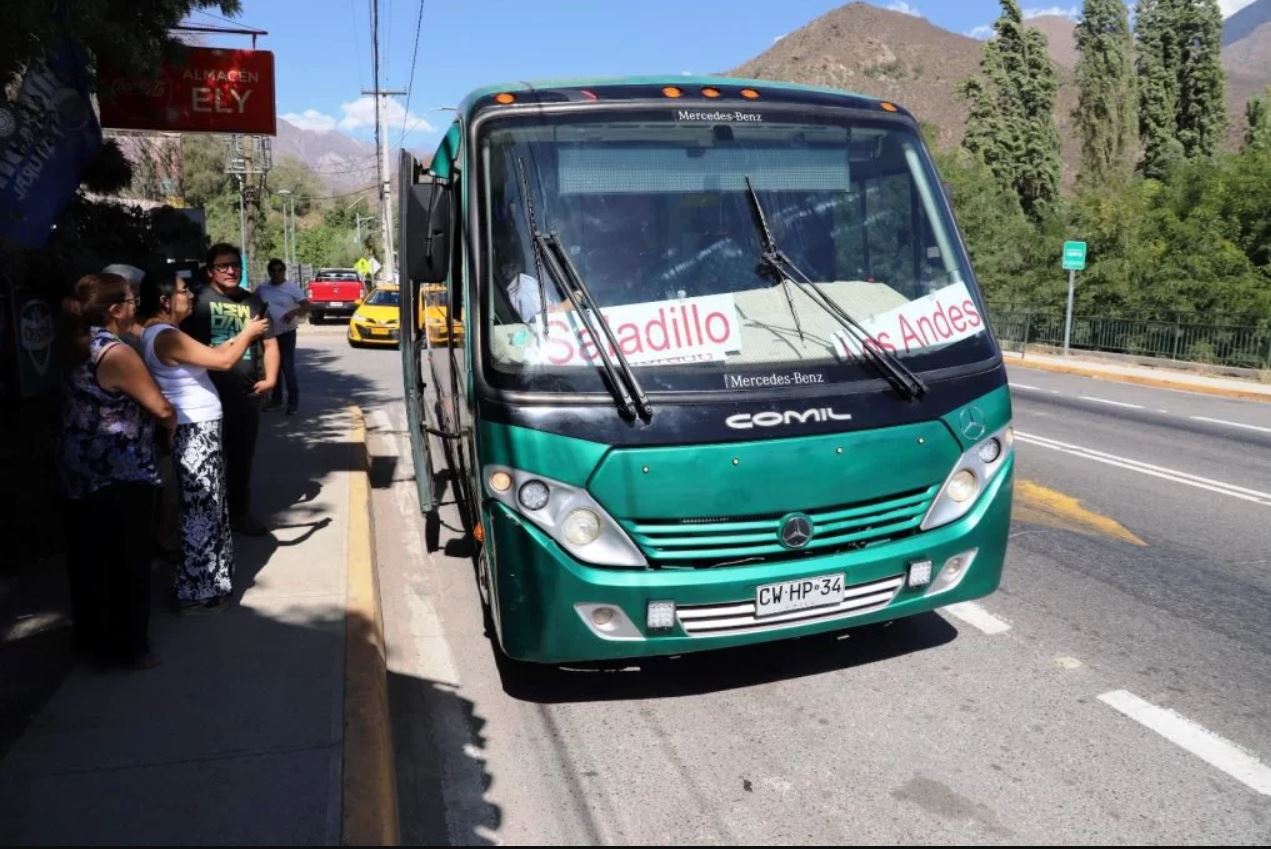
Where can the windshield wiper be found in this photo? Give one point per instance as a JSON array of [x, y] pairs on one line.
[[547, 249], [584, 303], [897, 373]]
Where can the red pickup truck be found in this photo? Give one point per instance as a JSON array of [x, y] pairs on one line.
[[334, 291]]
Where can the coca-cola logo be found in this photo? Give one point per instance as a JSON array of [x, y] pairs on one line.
[[35, 334]]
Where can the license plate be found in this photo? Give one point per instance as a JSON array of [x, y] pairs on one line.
[[336, 304], [376, 331], [820, 591]]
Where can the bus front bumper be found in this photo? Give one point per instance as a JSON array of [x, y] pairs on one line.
[[551, 608]]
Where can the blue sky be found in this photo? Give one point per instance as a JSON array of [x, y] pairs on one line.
[[323, 56]]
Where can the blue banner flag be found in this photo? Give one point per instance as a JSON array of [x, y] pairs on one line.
[[47, 137]]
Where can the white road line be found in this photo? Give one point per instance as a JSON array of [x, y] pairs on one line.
[[1015, 385], [1201, 742], [1230, 424], [1220, 487], [1112, 403], [977, 617]]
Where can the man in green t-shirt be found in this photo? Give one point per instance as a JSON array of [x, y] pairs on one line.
[[223, 307]]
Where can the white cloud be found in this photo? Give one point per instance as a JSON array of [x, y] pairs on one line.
[[311, 119], [1070, 12], [360, 113], [904, 8], [1230, 7], [778, 38], [982, 32]]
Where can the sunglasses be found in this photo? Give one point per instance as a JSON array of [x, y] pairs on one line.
[[227, 267]]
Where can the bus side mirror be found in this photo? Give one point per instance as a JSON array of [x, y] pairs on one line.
[[428, 217]]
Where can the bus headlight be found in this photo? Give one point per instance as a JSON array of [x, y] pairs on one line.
[[566, 513], [581, 527], [962, 486], [969, 477]]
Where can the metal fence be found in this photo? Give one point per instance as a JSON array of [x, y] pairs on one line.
[[1238, 341]]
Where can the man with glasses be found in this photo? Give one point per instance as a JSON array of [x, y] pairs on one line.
[[287, 304], [222, 310]]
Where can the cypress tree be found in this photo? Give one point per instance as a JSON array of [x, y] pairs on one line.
[[1011, 125], [1107, 111], [1181, 81], [1258, 123], [1202, 114]]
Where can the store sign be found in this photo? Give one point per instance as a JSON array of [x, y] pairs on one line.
[[207, 90]]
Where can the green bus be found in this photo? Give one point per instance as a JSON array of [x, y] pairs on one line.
[[725, 373]]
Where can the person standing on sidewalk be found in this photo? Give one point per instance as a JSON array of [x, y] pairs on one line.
[[106, 461], [180, 364], [221, 312], [287, 305]]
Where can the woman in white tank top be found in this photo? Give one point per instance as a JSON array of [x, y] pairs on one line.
[[180, 364]]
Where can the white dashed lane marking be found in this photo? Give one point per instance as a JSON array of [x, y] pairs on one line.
[[1201, 742]]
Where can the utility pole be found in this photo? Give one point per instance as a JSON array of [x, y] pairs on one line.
[[285, 194], [250, 161], [381, 144], [358, 219]]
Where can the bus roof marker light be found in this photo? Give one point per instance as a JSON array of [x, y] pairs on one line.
[[889, 106], [710, 92], [505, 98], [750, 94], [672, 91]]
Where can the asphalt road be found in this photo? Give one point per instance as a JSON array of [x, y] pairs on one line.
[[1113, 691]]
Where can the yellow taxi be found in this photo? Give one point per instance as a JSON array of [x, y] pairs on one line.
[[375, 322], [434, 306]]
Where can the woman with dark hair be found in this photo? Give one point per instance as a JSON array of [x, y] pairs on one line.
[[107, 467], [180, 366]]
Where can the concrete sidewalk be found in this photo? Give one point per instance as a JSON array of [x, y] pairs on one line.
[[240, 736], [1164, 378]]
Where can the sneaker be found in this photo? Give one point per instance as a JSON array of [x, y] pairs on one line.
[[249, 525]]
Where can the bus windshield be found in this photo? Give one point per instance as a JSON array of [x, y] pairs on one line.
[[656, 214]]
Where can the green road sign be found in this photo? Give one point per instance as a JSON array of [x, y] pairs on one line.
[[1074, 256]]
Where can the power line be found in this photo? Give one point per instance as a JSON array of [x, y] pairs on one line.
[[410, 81]]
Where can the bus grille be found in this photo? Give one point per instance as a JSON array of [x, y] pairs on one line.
[[733, 540], [722, 620]]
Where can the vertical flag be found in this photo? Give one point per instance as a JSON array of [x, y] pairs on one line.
[[47, 137]]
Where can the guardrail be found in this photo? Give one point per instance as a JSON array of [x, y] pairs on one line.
[[1242, 343]]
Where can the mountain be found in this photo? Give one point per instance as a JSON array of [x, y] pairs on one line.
[[1246, 55], [873, 51], [1061, 35], [342, 162]]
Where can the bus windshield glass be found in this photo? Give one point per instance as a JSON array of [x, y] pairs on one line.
[[657, 215]]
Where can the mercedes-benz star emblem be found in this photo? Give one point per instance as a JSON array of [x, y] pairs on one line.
[[972, 421], [796, 530]]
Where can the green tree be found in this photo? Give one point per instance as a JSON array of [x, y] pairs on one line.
[[1202, 113], [1107, 112], [1011, 126], [133, 35], [1257, 124], [1181, 81]]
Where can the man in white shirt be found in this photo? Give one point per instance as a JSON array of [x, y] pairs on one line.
[[287, 305]]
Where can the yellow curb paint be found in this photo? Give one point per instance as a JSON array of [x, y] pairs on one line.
[[1141, 380], [1039, 505], [370, 781]]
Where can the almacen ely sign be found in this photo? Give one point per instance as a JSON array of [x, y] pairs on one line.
[[206, 91]]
